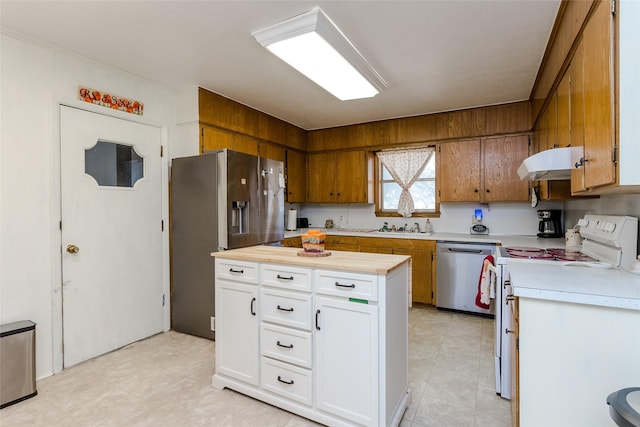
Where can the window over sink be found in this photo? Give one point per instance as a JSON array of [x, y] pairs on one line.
[[413, 169]]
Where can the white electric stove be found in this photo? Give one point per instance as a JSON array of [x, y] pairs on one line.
[[609, 241]]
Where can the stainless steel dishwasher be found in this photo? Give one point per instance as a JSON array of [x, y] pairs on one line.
[[458, 267]]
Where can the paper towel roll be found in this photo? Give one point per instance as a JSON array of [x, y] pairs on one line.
[[291, 219]]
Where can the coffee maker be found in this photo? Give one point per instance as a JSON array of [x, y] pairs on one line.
[[550, 223]]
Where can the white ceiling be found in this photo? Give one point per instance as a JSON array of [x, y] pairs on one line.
[[434, 55]]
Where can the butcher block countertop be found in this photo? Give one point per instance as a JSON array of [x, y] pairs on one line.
[[360, 262]]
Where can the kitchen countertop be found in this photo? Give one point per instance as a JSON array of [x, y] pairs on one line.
[[576, 284], [504, 240], [338, 260]]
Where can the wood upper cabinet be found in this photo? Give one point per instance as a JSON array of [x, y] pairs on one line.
[[272, 151], [246, 144], [321, 177], [213, 138], [501, 158], [599, 165], [459, 166], [561, 124], [340, 177], [483, 170], [296, 165]]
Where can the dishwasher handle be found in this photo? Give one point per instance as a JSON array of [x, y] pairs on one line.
[[465, 251]]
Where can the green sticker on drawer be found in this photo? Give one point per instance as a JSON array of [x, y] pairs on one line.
[[360, 301]]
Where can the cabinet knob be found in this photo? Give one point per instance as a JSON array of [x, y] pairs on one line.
[[475, 190], [509, 331], [488, 191]]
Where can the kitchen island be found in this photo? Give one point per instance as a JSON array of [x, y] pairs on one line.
[[323, 337], [579, 341]]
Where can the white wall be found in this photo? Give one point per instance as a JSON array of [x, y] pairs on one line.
[[500, 218], [34, 79]]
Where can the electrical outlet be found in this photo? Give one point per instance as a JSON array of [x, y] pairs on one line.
[[213, 323]]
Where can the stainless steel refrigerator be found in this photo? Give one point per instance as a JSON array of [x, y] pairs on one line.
[[219, 200]]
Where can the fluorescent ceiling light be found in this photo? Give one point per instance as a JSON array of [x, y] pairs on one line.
[[314, 46]]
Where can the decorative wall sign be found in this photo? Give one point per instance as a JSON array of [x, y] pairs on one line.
[[112, 101]]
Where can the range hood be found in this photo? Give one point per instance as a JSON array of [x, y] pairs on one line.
[[552, 164]]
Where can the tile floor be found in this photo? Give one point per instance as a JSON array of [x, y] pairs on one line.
[[166, 381]]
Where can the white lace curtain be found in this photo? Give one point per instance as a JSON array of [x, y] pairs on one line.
[[405, 166]]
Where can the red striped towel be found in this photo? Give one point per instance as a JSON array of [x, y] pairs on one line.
[[487, 275]]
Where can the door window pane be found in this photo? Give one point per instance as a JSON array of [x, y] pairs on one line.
[[113, 165]]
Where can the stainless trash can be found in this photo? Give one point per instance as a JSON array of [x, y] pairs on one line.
[[17, 362]]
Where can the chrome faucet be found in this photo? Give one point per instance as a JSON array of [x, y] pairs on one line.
[[417, 228]]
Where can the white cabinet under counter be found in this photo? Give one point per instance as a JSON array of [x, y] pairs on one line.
[[325, 338], [578, 339]]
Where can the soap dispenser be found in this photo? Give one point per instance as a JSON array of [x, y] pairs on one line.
[[427, 227]]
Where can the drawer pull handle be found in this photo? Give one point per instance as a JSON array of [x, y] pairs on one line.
[[284, 346], [284, 309], [340, 285], [283, 381], [317, 324], [253, 310], [284, 278], [510, 298], [507, 331], [231, 270]]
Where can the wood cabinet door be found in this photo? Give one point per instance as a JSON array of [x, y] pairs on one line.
[[515, 367], [552, 117], [421, 274], [543, 131], [459, 179], [598, 98], [212, 139], [351, 177], [564, 112], [322, 177], [576, 75], [272, 151], [296, 176], [501, 158], [247, 144], [292, 242]]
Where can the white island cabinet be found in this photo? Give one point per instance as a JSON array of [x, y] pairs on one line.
[[325, 338]]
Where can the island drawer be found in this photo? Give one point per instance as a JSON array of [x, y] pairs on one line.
[[343, 284], [286, 308], [237, 271], [286, 380], [286, 277], [287, 345]]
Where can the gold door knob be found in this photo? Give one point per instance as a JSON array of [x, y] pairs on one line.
[[73, 249]]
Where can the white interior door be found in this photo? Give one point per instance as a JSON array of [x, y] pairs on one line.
[[111, 233]]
